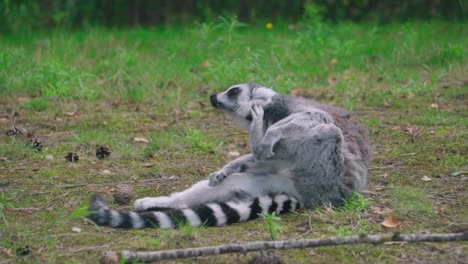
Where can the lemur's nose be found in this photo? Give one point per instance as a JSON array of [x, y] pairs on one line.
[[214, 101]]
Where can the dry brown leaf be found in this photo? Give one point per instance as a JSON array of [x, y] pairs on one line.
[[426, 179], [303, 92], [295, 92], [411, 130], [332, 80], [8, 252], [390, 222], [23, 99], [204, 64], [140, 139]]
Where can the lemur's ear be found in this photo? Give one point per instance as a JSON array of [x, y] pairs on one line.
[[262, 93], [253, 85]]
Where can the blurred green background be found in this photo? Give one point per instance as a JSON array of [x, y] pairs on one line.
[[28, 15]]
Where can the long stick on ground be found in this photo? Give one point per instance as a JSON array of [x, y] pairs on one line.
[[149, 256]]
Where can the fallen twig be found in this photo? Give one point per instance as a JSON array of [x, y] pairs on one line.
[[24, 209], [150, 256]]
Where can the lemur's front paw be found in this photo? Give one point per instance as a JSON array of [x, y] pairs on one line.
[[152, 202], [262, 152], [257, 112], [216, 178]]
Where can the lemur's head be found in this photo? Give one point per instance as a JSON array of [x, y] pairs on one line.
[[238, 99]]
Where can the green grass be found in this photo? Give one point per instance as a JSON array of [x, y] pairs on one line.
[[199, 141], [4, 205], [74, 90], [272, 222], [410, 201], [39, 104], [356, 202]]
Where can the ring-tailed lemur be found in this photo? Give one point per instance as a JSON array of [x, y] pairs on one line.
[[303, 154]]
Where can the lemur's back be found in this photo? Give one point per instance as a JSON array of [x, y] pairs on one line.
[[355, 146]]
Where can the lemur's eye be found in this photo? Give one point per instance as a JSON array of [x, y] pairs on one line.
[[233, 92]]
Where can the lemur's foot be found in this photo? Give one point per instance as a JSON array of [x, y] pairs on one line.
[[262, 151], [153, 202], [216, 178]]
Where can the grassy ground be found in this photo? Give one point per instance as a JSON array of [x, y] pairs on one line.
[[72, 91]]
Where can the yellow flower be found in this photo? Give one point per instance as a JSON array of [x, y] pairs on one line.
[[269, 25]]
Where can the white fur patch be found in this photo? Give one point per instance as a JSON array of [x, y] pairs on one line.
[[218, 213], [192, 217], [294, 204], [164, 220], [265, 203], [137, 221], [115, 218], [280, 199], [242, 209]]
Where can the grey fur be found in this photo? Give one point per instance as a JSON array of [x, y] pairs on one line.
[[301, 148]]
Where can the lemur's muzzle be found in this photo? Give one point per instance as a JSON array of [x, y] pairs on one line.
[[214, 101]]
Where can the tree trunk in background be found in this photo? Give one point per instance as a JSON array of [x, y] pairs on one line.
[[243, 11], [106, 11], [47, 8], [135, 12]]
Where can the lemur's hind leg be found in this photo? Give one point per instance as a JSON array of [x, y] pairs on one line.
[[319, 174], [240, 185], [241, 164]]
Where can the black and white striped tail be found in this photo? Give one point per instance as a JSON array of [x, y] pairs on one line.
[[211, 214]]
